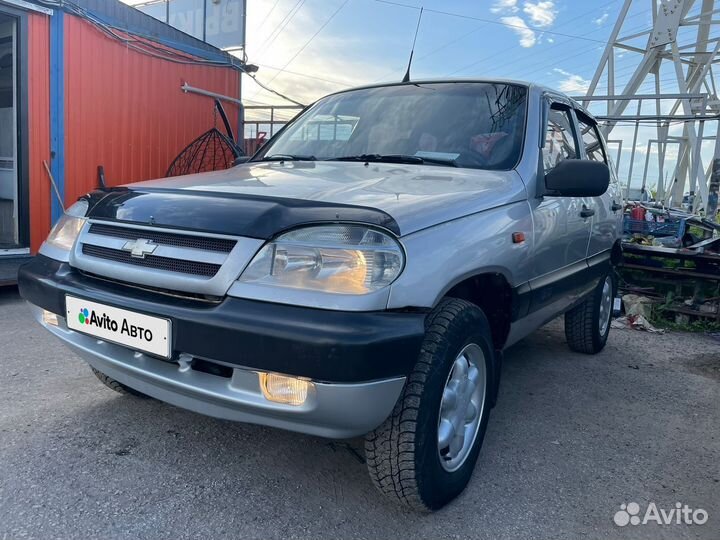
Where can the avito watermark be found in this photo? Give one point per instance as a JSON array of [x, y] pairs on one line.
[[680, 514]]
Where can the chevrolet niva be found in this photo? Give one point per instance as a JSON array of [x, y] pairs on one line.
[[360, 275]]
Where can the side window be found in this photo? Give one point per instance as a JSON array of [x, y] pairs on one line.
[[559, 139], [591, 139]]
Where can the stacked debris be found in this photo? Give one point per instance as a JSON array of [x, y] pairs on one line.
[[656, 225], [671, 267]]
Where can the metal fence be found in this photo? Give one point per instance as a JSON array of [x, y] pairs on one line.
[[266, 122]]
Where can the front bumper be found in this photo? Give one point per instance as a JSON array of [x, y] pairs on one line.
[[357, 361]]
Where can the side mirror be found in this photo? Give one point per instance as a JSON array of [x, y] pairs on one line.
[[578, 178], [241, 159]]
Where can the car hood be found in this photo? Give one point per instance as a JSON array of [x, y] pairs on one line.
[[414, 196]]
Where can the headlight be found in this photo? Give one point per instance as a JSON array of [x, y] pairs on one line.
[[68, 227], [346, 259]]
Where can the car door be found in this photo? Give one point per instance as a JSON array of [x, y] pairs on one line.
[[562, 224], [561, 231], [607, 208]]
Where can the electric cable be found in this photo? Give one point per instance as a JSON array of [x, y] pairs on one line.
[[145, 46], [322, 27]]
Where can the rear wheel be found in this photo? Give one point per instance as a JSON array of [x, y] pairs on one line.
[[587, 326], [424, 454], [115, 385]]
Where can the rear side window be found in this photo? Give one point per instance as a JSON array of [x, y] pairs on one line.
[[591, 139], [559, 139]]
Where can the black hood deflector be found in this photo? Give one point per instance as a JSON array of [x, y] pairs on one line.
[[234, 214]]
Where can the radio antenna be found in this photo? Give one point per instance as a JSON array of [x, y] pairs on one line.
[[406, 78]]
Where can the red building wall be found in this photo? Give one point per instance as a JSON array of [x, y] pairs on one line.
[[39, 125], [125, 110]]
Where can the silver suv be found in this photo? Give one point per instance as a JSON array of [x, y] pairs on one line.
[[360, 275]]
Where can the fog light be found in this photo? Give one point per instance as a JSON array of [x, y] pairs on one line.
[[49, 317], [282, 389]]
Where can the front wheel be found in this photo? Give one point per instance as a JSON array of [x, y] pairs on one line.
[[424, 454], [587, 326]]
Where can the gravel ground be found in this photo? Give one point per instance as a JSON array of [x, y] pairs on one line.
[[572, 438]]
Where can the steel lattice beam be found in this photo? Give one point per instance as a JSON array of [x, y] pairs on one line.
[[693, 100]]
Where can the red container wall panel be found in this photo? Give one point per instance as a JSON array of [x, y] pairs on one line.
[[126, 112], [39, 125]]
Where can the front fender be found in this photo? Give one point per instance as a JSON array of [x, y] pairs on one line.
[[444, 255]]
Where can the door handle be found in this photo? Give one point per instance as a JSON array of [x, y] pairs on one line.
[[587, 212], [615, 206]]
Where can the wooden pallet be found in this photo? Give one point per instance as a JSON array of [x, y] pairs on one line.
[[693, 312]]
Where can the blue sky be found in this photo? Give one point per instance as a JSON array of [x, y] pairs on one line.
[[554, 42], [309, 48]]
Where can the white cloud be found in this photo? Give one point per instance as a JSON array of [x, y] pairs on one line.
[[572, 83], [601, 19], [550, 40], [503, 6], [541, 13], [575, 84], [528, 38]]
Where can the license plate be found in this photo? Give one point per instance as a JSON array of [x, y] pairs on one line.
[[133, 330]]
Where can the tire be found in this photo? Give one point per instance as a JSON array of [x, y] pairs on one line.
[[587, 326], [403, 454], [118, 387]]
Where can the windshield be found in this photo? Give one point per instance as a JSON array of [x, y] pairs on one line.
[[475, 125]]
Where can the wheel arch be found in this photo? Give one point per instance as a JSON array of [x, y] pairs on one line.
[[491, 291]]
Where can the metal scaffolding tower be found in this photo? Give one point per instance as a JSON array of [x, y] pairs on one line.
[[675, 56]]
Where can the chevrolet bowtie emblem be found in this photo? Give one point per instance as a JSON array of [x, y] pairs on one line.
[[140, 247]]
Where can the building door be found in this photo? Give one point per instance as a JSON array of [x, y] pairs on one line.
[[9, 166]]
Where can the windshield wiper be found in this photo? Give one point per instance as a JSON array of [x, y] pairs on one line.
[[396, 158], [288, 157], [380, 158], [450, 162]]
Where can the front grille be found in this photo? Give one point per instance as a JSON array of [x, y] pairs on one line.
[[152, 261], [205, 298], [222, 245]]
